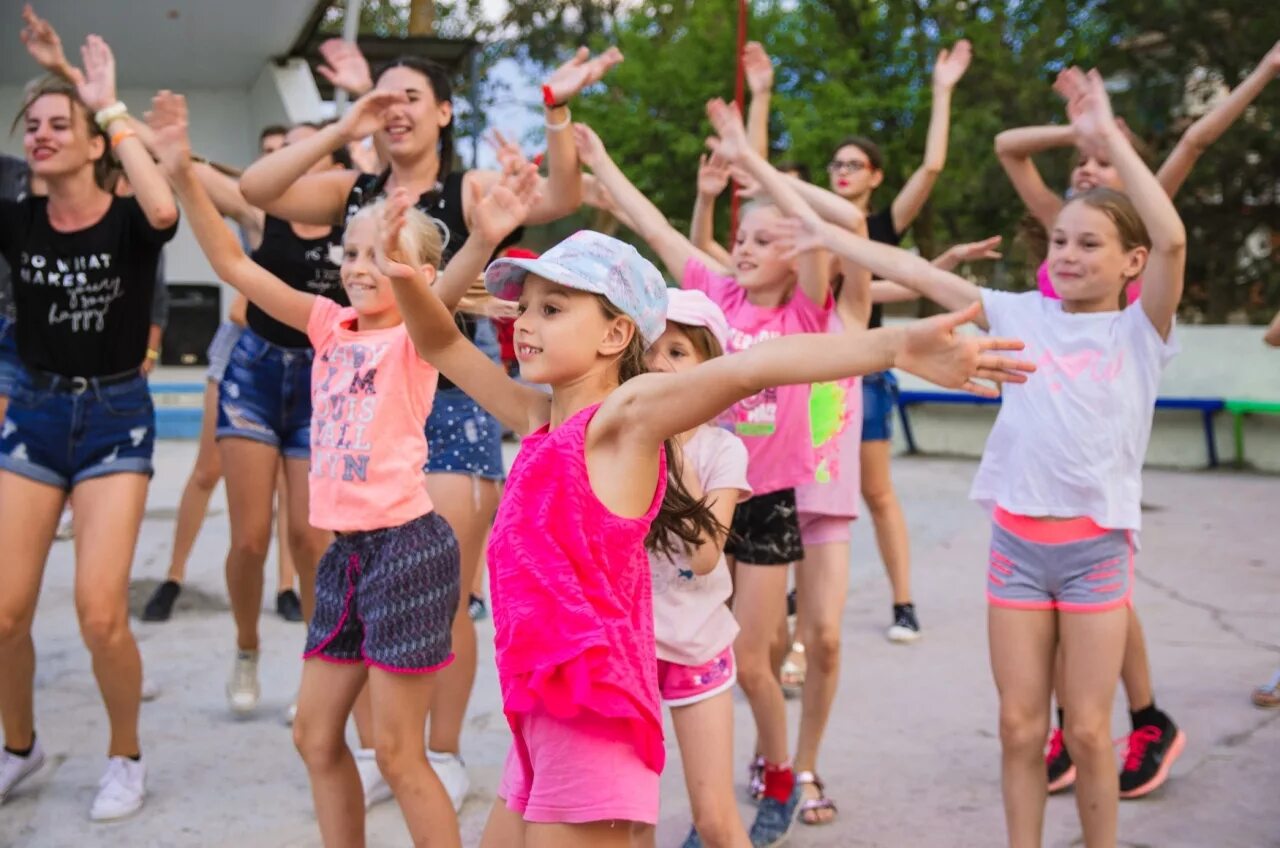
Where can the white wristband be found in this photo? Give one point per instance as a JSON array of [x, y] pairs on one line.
[[114, 112], [563, 125]]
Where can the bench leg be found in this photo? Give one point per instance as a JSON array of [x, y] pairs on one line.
[[906, 428], [1209, 440], [1238, 429]]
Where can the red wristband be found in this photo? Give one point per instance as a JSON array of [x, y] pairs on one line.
[[549, 98]]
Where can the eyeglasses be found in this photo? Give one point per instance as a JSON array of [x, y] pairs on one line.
[[849, 166]]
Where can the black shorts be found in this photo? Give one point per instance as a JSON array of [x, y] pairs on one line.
[[766, 530]]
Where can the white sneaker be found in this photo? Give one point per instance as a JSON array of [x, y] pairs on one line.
[[376, 788], [121, 791], [15, 769], [150, 689], [66, 528], [242, 688], [290, 714], [452, 772]]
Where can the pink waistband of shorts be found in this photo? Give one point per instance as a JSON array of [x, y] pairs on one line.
[[1049, 531]]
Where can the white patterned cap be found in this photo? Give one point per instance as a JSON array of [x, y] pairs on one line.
[[593, 262]]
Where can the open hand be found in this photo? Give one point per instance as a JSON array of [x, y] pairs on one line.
[[345, 67], [794, 236], [1088, 105], [749, 187], [951, 64], [495, 214], [43, 43], [98, 87], [972, 251], [369, 114], [727, 121], [581, 71], [390, 256], [713, 175], [591, 150], [932, 349], [758, 68], [170, 141], [510, 155]]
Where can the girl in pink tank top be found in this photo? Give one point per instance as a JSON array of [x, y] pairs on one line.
[[590, 490]]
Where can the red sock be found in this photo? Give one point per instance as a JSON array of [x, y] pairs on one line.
[[779, 782]]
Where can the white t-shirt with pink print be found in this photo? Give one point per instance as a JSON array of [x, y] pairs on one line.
[[1071, 440]]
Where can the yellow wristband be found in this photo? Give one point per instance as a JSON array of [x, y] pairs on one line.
[[153, 354]]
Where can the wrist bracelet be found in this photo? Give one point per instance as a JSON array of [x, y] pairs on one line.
[[114, 112], [121, 136], [563, 125], [549, 98], [153, 354]]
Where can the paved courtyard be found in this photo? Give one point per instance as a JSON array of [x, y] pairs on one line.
[[913, 753]]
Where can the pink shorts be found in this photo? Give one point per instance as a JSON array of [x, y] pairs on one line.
[[578, 770], [818, 529], [682, 685]]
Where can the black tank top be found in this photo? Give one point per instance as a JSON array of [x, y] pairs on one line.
[[443, 205], [309, 265]]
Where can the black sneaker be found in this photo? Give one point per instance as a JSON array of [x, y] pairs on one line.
[[1057, 760], [477, 609], [288, 606], [1153, 749], [905, 627], [160, 606]]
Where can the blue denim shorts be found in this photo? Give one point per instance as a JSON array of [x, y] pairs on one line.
[[462, 438], [10, 365], [77, 429], [265, 396], [879, 394], [387, 598]]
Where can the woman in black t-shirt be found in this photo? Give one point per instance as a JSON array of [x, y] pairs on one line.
[[80, 421], [410, 115]]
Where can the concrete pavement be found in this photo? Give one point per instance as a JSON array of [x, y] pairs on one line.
[[913, 753]]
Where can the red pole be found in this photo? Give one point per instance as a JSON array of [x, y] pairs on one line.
[[739, 97]]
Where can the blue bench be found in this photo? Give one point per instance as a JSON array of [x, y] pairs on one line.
[[1207, 407], [178, 422]]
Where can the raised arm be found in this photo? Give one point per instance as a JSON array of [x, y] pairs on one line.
[[947, 71], [705, 555], [759, 72], [168, 121], [595, 195], [812, 268], [1089, 108], [887, 262], [653, 407], [1014, 149], [647, 221], [97, 88], [439, 341], [280, 185], [1210, 127], [492, 216], [713, 178]]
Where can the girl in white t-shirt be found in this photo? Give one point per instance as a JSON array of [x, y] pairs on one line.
[[694, 628], [1062, 469]]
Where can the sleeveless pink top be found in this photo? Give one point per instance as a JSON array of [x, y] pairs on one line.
[[572, 593], [1046, 285]]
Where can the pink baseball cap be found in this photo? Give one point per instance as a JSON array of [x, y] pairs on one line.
[[694, 309]]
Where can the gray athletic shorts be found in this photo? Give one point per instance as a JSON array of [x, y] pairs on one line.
[[1072, 565]]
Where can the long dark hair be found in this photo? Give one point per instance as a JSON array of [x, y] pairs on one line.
[[683, 521], [442, 87]]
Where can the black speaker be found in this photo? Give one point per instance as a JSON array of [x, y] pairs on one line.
[[195, 309]]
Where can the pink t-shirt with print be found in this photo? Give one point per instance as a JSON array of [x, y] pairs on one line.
[[370, 397], [691, 622], [835, 415], [774, 424]]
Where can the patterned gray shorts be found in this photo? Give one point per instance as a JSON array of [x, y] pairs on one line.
[[387, 598]]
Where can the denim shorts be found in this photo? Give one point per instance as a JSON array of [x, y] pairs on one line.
[[10, 365], [224, 341], [77, 429], [462, 438], [265, 396], [879, 394], [387, 598]]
